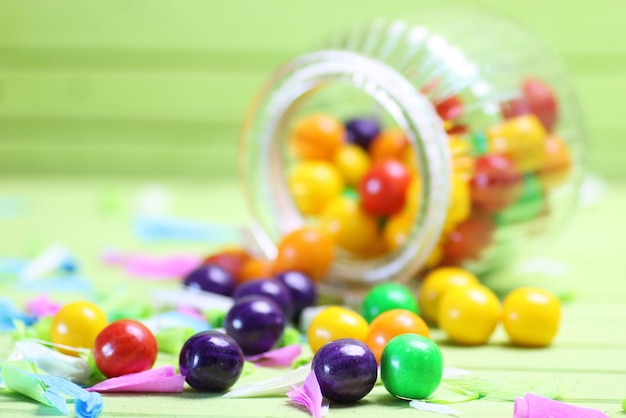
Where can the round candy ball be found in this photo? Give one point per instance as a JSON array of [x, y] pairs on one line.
[[333, 323], [123, 347], [386, 296], [300, 287], [362, 131], [531, 317], [345, 369], [77, 324], [210, 278], [436, 283], [211, 361], [389, 325], [383, 189], [411, 366], [270, 288], [256, 322]]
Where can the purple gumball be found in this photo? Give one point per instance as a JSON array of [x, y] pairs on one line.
[[270, 288], [301, 288], [210, 278], [211, 361], [345, 369], [362, 131], [256, 322]]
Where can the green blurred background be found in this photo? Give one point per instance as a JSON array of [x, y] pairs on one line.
[[155, 87]]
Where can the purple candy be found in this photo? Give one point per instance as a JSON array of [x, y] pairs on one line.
[[256, 323], [270, 288], [362, 131], [345, 369], [211, 361], [210, 278], [300, 287]]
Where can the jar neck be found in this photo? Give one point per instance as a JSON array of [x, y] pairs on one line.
[[263, 172]]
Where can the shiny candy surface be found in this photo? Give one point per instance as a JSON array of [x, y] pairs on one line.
[[256, 322], [391, 144], [123, 347], [211, 361], [496, 183], [255, 268], [349, 225], [352, 162], [531, 317], [362, 131], [333, 323], [411, 366], [301, 288], [469, 315], [77, 324], [317, 136], [308, 249], [345, 369], [389, 325], [231, 259], [210, 278], [436, 283], [383, 189], [313, 184], [270, 288], [386, 296], [520, 139]]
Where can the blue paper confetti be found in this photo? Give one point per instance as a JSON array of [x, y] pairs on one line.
[[62, 283], [165, 228], [9, 313]]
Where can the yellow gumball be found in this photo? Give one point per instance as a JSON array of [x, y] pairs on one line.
[[350, 227], [531, 317], [334, 323], [77, 325], [313, 184], [352, 162], [438, 282]]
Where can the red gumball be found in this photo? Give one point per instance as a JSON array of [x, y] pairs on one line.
[[496, 183], [383, 188], [231, 260], [468, 240], [123, 347], [538, 99]]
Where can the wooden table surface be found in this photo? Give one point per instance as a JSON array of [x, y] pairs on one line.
[[91, 214]]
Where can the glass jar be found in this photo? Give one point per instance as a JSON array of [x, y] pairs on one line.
[[495, 140]]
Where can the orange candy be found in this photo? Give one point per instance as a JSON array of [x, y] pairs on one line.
[[255, 268], [390, 144], [390, 324], [308, 250], [231, 259], [317, 136]]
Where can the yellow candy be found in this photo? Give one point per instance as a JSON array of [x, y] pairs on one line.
[[437, 283], [531, 317], [334, 323], [350, 227], [521, 139], [397, 230], [462, 160], [313, 184], [77, 325], [460, 203], [352, 162]]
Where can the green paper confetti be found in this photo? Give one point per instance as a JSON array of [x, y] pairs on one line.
[[215, 317], [291, 336], [301, 361], [248, 368], [446, 393], [624, 405], [171, 340], [503, 390]]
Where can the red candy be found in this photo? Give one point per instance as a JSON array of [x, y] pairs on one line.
[[383, 189], [124, 347], [496, 183], [468, 240], [537, 99]]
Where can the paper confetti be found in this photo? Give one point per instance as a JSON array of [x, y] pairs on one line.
[[42, 305], [193, 298], [309, 395], [9, 313], [429, 407], [144, 266], [502, 390], [174, 319], [53, 259], [171, 340], [165, 228], [275, 386], [161, 380], [281, 357], [49, 390], [533, 406]]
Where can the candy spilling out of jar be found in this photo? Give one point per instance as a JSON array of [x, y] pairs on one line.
[[360, 182]]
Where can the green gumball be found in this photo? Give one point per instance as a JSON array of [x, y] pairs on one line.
[[387, 296], [411, 366]]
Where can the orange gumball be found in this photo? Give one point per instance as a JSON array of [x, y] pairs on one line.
[[390, 324], [317, 136], [390, 144], [308, 250], [254, 268]]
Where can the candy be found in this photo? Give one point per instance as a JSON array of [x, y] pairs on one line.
[[308, 250], [557, 162], [210, 278], [317, 136], [383, 189], [436, 283], [389, 325], [468, 240], [270, 288], [211, 361], [352, 162], [386, 296], [496, 183], [469, 314], [411, 366], [231, 259], [391, 144], [77, 325], [450, 108], [256, 323], [301, 288], [538, 99], [350, 227], [333, 323], [531, 317], [123, 347], [521, 139], [528, 206], [255, 268], [362, 131], [345, 369], [313, 184]]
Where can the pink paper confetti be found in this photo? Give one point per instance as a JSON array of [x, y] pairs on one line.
[[42, 305], [533, 406], [150, 267], [309, 395], [191, 312], [281, 357], [161, 380]]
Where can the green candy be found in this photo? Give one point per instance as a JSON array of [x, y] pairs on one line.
[[387, 296], [529, 205], [411, 366]]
